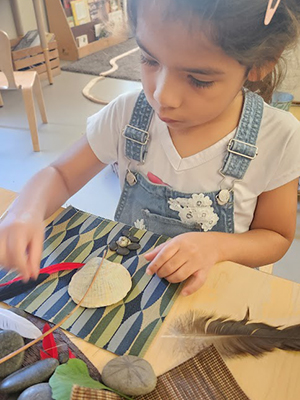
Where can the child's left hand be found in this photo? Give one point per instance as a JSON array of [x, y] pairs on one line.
[[188, 256]]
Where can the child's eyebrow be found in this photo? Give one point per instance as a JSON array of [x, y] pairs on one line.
[[202, 71], [143, 47]]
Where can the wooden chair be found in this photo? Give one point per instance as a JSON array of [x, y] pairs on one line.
[[27, 81]]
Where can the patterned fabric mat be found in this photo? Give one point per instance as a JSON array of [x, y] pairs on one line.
[[63, 343], [127, 327], [203, 377]]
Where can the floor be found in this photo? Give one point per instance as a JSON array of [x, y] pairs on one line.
[[67, 111]]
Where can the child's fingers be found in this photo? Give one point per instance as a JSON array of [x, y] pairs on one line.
[[2, 251], [194, 282], [17, 256], [153, 253], [35, 255], [180, 274], [164, 255], [177, 268]]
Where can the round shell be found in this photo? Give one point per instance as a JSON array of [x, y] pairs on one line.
[[112, 284]]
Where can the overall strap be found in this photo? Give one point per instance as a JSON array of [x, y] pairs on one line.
[[242, 148], [136, 132]]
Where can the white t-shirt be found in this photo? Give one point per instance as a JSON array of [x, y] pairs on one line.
[[277, 163]]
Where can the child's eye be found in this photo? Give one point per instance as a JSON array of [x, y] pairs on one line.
[[203, 84], [147, 61]]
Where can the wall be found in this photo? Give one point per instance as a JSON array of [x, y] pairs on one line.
[[27, 17], [6, 19], [291, 82]]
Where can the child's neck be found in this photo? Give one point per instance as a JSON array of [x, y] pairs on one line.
[[196, 139]]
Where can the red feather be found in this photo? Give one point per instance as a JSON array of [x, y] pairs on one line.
[[71, 355], [51, 269], [44, 355], [49, 344]]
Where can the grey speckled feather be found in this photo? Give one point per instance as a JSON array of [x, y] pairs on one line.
[[193, 332]]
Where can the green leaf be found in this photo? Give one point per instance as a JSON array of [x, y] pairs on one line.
[[74, 372]]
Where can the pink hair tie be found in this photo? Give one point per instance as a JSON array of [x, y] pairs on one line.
[[271, 10]]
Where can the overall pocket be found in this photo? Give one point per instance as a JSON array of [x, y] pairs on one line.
[[165, 225]]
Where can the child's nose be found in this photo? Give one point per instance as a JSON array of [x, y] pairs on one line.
[[167, 92]]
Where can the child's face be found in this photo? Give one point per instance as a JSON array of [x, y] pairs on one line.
[[188, 80]]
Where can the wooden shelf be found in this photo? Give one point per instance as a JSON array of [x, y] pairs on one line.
[[65, 36]]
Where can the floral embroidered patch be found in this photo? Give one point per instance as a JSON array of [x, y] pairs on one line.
[[140, 224], [195, 210]]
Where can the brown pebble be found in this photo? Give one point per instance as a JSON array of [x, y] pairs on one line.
[[113, 246], [123, 251], [134, 246], [134, 239], [63, 357]]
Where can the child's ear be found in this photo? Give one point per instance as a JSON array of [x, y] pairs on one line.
[[259, 73]]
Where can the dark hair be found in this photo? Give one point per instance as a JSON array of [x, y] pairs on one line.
[[237, 26]]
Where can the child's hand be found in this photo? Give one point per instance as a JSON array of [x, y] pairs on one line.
[[21, 244], [188, 256]]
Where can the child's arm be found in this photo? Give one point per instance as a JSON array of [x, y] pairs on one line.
[[22, 229], [191, 255]]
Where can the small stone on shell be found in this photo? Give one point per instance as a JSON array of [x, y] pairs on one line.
[[123, 241]]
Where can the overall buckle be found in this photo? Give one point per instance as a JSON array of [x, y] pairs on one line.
[[231, 145], [135, 140]]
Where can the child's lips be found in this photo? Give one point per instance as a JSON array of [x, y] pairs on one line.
[[168, 120]]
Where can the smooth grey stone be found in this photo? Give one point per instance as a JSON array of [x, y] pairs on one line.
[[129, 375], [122, 251], [19, 312], [9, 342], [41, 391], [28, 376]]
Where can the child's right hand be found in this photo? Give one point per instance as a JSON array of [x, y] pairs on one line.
[[21, 244]]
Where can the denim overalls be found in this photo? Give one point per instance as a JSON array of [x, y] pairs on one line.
[[162, 210]]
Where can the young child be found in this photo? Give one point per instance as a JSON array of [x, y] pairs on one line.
[[201, 157]]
